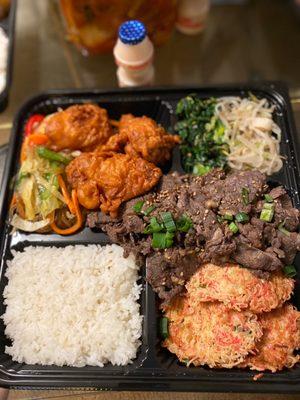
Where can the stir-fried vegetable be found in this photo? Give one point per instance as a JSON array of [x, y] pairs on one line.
[[79, 220], [202, 134], [33, 121], [52, 155], [37, 185]]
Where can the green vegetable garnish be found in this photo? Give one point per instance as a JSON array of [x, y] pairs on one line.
[[268, 206], [154, 226], [184, 223], [162, 240], [164, 327], [289, 271], [269, 198], [233, 227], [168, 221], [200, 169], [149, 210], [245, 196], [282, 229], [52, 155], [202, 134], [242, 217], [266, 215], [228, 217], [138, 206]]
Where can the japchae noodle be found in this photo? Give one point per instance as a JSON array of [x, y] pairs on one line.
[[253, 137]]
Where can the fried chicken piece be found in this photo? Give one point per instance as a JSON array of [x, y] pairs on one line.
[[142, 137], [238, 288], [281, 337], [210, 334], [106, 181], [79, 127]]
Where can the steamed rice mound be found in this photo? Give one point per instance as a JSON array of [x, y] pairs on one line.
[[210, 334], [238, 288], [75, 306]]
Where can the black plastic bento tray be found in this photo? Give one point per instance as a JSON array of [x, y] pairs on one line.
[[8, 25], [154, 368]]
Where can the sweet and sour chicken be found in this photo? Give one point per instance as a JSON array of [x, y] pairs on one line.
[[142, 137], [106, 180], [78, 127]]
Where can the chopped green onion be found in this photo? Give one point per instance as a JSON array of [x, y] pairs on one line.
[[154, 226], [282, 229], [242, 217], [164, 327], [268, 206], [228, 217], [138, 206], [168, 221], [220, 219], [233, 227], [52, 155], [184, 223], [162, 240], [289, 271], [186, 361], [149, 210], [200, 169], [269, 198], [266, 215], [245, 196]]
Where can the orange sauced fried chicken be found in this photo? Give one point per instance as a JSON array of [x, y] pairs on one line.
[[281, 337], [106, 180], [238, 288], [79, 127], [142, 137], [210, 334]]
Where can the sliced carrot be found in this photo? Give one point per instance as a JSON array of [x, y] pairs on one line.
[[114, 122], [24, 150], [13, 201], [37, 139], [65, 193], [77, 225]]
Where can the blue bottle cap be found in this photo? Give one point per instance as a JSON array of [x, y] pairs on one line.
[[132, 32]]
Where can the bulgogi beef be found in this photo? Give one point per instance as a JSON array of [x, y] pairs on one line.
[[212, 203]]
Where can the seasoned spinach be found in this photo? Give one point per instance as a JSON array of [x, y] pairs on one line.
[[202, 133]]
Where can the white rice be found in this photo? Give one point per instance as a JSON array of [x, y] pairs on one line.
[[73, 306]]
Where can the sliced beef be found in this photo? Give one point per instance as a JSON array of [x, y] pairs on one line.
[[253, 258], [258, 245], [167, 272]]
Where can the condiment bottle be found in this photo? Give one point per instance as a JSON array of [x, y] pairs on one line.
[[192, 16], [133, 54]]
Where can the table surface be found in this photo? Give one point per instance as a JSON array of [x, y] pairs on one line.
[[254, 41]]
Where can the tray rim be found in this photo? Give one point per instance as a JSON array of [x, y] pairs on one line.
[[163, 381]]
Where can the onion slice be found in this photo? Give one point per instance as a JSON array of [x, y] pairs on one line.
[[28, 226]]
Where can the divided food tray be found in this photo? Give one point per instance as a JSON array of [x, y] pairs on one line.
[[154, 368], [8, 25]]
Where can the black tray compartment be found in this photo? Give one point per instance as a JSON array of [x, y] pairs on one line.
[[155, 368]]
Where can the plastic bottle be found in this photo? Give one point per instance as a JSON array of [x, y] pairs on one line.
[[133, 54], [192, 16]]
